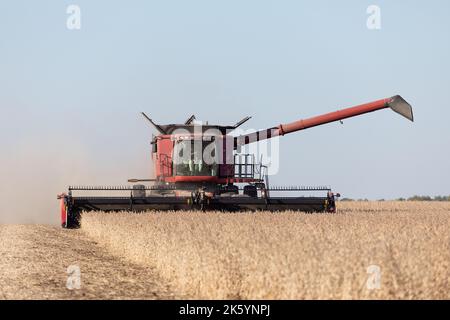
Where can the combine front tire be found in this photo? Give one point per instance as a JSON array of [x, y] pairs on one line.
[[251, 191]]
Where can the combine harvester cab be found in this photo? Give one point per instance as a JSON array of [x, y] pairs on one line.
[[232, 181]]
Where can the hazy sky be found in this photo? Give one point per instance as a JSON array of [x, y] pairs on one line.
[[70, 99]]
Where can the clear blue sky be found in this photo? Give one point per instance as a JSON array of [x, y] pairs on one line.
[[70, 99]]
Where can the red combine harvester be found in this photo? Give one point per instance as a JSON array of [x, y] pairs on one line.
[[200, 167]]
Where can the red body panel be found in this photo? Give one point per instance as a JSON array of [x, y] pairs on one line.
[[163, 158], [208, 179], [63, 212], [195, 179]]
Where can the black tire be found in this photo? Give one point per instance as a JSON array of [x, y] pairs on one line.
[[251, 191], [73, 220]]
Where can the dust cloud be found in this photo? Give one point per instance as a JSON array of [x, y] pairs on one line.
[[35, 171], [32, 176]]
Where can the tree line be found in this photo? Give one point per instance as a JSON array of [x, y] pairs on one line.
[[413, 198]]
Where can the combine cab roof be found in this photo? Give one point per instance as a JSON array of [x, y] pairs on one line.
[[192, 127]]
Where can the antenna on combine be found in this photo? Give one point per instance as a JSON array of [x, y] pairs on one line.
[[240, 123], [160, 130], [190, 120]]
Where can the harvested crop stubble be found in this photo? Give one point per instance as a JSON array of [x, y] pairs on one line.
[[290, 255]]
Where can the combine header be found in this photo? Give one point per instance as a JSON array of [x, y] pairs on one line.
[[201, 167]]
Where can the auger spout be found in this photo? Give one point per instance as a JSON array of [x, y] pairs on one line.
[[396, 103]]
